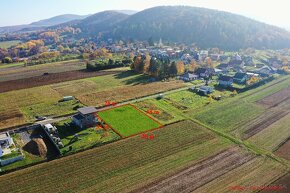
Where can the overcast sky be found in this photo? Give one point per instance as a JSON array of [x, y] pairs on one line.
[[14, 12]]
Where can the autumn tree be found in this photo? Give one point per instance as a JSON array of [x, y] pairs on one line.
[[147, 63], [208, 62], [180, 67], [192, 66]]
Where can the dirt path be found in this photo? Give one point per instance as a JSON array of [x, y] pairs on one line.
[[199, 174], [49, 79]]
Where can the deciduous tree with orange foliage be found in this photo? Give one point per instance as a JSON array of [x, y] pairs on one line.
[[192, 66], [180, 67]]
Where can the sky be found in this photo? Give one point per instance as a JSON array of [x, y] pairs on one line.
[[15, 12]]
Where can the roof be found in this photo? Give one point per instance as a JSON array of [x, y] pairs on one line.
[[205, 88], [87, 110], [204, 70], [49, 126], [223, 65], [189, 75], [240, 75], [3, 135], [226, 78]]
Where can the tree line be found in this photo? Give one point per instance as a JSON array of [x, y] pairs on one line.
[[157, 67]]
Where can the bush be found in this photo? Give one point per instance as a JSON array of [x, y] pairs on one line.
[[7, 60]]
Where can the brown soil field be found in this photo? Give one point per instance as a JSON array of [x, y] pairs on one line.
[[284, 150], [17, 73], [283, 182], [49, 79], [263, 121], [201, 173], [276, 98]]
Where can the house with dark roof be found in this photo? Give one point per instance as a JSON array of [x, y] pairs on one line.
[[240, 78], [204, 72], [205, 90], [226, 81], [188, 77], [224, 66], [86, 117]]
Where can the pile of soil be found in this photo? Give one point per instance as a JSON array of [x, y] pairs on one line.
[[36, 147]]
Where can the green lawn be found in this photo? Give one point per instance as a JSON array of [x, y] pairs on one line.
[[11, 65], [87, 138], [128, 121]]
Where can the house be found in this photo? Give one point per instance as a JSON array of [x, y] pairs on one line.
[[240, 78], [188, 77], [215, 57], [203, 54], [226, 81], [205, 72], [218, 71], [205, 90], [266, 71], [85, 118], [5, 142], [224, 66]]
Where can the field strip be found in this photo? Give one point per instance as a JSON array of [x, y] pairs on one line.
[[202, 173], [274, 135], [258, 172], [49, 79], [262, 122], [275, 99]]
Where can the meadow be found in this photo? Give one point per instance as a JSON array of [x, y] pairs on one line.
[[82, 139], [128, 120]]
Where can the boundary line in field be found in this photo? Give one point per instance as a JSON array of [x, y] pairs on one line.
[[124, 137]]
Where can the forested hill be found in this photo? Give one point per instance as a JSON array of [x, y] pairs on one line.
[[205, 27]]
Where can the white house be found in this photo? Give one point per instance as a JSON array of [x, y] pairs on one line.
[[5, 140]]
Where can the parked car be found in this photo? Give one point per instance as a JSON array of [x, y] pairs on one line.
[[160, 96], [40, 118]]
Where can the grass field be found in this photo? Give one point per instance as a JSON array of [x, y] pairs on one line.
[[166, 113], [127, 120], [87, 138], [120, 166], [8, 44], [18, 64], [232, 113]]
